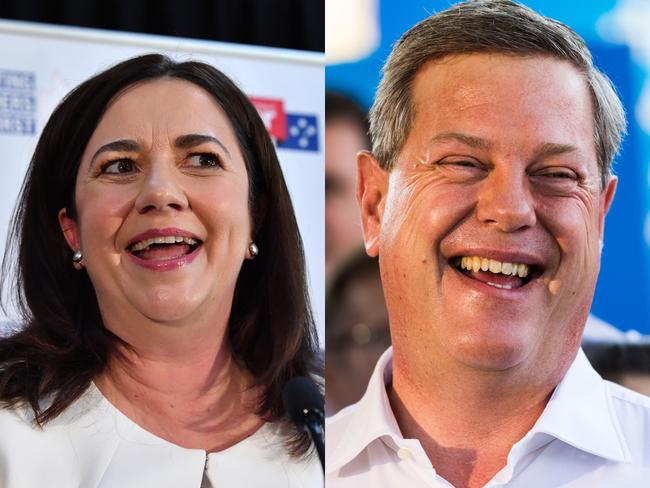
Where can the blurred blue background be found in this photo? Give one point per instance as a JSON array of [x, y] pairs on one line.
[[618, 34]]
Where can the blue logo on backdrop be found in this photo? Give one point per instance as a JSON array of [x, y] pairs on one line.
[[17, 102], [302, 132]]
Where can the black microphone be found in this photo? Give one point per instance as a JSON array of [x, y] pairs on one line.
[[304, 404]]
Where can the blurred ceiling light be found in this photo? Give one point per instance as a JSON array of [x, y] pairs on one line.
[[351, 30]]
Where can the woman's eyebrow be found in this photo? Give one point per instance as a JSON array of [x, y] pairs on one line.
[[190, 140], [184, 142]]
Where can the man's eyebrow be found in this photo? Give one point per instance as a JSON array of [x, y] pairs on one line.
[[120, 145], [472, 141], [547, 149], [190, 140]]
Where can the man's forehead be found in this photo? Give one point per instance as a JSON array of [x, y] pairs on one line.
[[490, 70], [479, 96]]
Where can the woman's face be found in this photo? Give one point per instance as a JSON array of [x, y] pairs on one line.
[[162, 208]]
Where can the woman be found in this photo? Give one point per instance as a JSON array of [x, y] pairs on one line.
[[160, 275]]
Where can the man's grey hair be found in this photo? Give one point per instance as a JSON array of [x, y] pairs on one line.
[[497, 26]]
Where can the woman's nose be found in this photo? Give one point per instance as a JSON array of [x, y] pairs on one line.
[[161, 189]]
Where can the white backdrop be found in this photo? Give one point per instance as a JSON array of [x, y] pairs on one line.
[[39, 64]]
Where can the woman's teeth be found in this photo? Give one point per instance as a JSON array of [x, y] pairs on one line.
[[144, 244], [475, 263]]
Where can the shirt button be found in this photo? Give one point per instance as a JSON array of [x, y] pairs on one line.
[[404, 453]]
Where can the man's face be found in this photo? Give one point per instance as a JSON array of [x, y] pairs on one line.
[[499, 167]]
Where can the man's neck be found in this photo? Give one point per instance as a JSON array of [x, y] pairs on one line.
[[467, 422]]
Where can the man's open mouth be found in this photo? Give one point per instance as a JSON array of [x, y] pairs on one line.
[[164, 247], [495, 273]]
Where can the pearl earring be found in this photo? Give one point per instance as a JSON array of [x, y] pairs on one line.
[[253, 250], [77, 256]]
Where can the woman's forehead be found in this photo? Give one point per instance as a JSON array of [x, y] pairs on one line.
[[158, 112]]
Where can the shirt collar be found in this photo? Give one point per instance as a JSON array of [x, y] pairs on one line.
[[579, 413], [369, 419]]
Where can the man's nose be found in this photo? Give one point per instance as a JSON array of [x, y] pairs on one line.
[[161, 189], [505, 201]]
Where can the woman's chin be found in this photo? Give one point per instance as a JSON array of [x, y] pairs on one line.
[[175, 315], [166, 306]]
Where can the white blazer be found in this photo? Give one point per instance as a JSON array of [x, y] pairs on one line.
[[94, 445]]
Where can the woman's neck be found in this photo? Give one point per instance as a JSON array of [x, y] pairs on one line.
[[201, 398]]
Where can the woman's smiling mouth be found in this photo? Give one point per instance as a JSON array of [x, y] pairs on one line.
[[164, 249], [167, 247]]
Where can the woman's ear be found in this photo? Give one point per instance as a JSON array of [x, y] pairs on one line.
[[69, 229], [70, 233]]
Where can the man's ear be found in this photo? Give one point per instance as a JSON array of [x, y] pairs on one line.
[[69, 229], [372, 186], [606, 198]]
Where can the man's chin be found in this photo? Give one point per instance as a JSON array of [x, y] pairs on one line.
[[492, 353]]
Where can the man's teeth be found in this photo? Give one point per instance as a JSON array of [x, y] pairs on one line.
[[503, 287], [142, 245], [475, 263]]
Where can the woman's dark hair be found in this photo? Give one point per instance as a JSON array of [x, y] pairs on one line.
[[63, 344]]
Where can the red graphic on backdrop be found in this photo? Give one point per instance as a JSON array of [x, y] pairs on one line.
[[272, 112]]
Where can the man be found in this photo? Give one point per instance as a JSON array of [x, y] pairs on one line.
[[345, 135], [485, 199]]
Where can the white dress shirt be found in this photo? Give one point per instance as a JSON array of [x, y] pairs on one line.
[[93, 445], [591, 434]]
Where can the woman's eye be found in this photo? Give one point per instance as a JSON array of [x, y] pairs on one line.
[[205, 160], [119, 166]]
